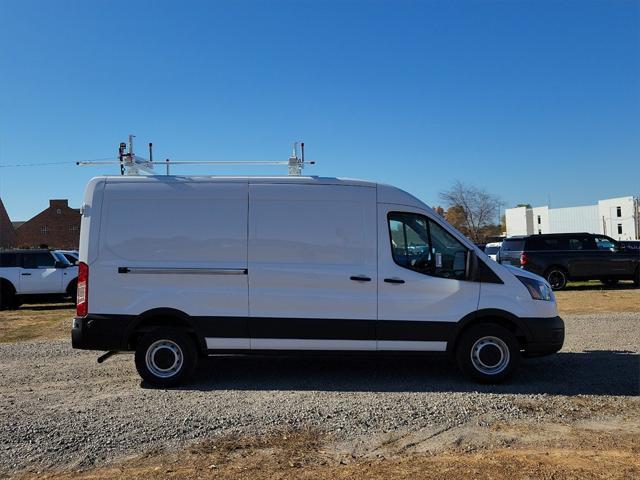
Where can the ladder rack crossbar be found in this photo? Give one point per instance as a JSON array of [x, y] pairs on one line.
[[195, 162], [131, 164]]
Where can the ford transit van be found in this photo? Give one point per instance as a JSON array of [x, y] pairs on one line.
[[177, 268]]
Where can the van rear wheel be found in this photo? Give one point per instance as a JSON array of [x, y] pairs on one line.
[[165, 358], [488, 353]]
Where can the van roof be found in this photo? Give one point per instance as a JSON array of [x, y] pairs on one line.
[[385, 193], [238, 178]]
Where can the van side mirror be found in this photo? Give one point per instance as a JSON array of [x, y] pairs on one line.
[[60, 264]]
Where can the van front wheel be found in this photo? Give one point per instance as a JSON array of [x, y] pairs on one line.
[[165, 358], [488, 353]]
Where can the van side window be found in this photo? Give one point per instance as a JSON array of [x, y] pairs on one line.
[[424, 246], [409, 241], [450, 254]]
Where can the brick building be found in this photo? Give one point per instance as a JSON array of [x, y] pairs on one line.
[[7, 232], [56, 227]]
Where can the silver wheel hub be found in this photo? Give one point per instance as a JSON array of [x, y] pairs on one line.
[[164, 358], [490, 355]]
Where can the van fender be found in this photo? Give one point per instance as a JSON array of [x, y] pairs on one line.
[[495, 315], [164, 316]]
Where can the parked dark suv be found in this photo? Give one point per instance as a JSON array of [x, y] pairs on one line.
[[572, 256]]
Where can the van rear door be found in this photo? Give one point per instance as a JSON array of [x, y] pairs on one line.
[[312, 267]]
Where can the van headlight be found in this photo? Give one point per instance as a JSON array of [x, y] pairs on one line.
[[539, 290]]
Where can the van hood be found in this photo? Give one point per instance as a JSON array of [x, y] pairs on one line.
[[524, 273]]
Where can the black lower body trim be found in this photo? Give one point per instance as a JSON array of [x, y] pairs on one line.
[[114, 332]]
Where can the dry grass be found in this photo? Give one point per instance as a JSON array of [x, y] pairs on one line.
[[36, 322], [593, 297]]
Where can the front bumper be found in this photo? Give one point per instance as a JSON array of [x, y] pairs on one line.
[[546, 335]]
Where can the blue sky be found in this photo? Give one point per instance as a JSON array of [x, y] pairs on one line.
[[532, 100]]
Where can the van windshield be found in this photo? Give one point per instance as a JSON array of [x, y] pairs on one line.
[[515, 245]]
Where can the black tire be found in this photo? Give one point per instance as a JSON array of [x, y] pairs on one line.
[[166, 358], [610, 282], [557, 278], [488, 353], [8, 298]]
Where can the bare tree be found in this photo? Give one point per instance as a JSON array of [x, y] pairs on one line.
[[474, 208]]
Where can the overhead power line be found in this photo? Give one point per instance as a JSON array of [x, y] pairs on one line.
[[35, 164], [42, 164]]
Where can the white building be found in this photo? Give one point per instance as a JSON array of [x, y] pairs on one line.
[[618, 218]]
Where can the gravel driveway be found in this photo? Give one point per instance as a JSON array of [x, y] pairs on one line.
[[59, 408]]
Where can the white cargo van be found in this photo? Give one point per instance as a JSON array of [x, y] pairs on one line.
[[175, 268]]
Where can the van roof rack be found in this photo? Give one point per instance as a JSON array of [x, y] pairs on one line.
[[131, 164]]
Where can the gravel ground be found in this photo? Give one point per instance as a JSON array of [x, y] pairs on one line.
[[60, 409]]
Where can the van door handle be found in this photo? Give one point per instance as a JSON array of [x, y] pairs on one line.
[[360, 278], [25, 274], [394, 280]]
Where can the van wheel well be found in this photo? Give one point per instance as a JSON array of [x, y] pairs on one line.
[[152, 323], [503, 322]]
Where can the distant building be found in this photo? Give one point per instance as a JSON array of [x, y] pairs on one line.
[[55, 227], [7, 232], [619, 218]]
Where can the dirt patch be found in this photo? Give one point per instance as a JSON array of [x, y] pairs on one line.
[[608, 448], [598, 300], [33, 322]]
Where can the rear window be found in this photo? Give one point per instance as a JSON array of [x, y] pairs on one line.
[[491, 250], [515, 245]]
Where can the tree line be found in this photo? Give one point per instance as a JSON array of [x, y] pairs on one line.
[[473, 211]]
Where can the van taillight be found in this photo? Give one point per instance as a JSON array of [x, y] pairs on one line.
[[523, 259], [82, 304]]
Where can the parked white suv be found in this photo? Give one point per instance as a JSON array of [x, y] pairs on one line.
[[34, 274], [175, 268]]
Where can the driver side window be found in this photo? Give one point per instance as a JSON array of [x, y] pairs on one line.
[[424, 246]]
